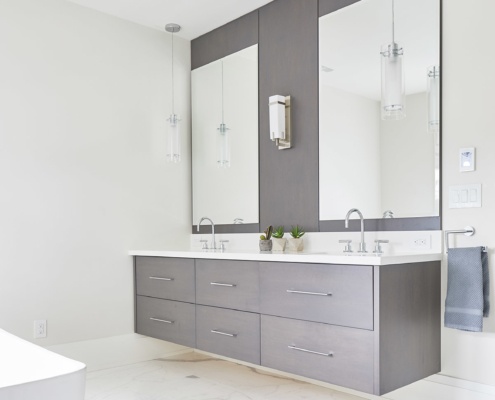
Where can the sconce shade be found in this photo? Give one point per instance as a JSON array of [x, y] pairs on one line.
[[393, 104], [277, 117], [173, 139], [433, 99]]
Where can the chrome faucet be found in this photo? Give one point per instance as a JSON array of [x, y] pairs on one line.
[[213, 243], [362, 245]]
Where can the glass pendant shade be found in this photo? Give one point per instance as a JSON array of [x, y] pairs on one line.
[[393, 103], [223, 146], [434, 99], [173, 139]]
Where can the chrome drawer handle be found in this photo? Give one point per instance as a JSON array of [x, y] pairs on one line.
[[311, 351], [312, 293], [157, 278], [223, 333], [222, 284], [162, 320]]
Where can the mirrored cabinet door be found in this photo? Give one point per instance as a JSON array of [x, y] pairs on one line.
[[225, 139], [385, 167]]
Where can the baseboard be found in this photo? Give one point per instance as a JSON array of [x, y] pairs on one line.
[[463, 384], [119, 350]]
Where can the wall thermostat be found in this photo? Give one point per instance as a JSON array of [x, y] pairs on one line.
[[467, 158]]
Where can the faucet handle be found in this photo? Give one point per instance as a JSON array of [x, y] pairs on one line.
[[222, 245], [347, 248], [378, 247], [205, 244]]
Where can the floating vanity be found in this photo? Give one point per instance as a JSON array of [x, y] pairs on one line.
[[368, 323]]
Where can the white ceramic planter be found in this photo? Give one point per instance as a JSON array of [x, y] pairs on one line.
[[295, 245], [279, 244]]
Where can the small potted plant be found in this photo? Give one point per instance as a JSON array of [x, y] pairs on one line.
[[279, 241], [265, 239], [296, 243]]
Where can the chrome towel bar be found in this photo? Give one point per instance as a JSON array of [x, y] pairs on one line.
[[467, 231]]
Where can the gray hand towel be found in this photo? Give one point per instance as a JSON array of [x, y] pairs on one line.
[[467, 299]]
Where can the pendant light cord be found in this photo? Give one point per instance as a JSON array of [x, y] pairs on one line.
[[393, 22], [222, 93], [173, 107]]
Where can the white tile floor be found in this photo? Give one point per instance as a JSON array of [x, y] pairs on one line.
[[195, 376]]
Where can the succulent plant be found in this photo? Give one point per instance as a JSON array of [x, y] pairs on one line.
[[278, 232], [267, 233], [296, 232]]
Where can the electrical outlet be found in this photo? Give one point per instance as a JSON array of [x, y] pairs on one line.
[[40, 328], [421, 243]]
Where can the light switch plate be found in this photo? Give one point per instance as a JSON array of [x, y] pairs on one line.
[[465, 196], [467, 159]]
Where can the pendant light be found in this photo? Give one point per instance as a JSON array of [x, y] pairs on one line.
[[433, 99], [223, 140], [393, 104], [173, 133]]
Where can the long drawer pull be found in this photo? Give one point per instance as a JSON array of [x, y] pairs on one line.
[[157, 278], [162, 320], [312, 293], [223, 284], [311, 351], [223, 333]]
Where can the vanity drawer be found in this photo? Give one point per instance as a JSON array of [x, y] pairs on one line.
[[230, 333], [165, 278], [335, 354], [334, 294], [229, 284], [173, 321]]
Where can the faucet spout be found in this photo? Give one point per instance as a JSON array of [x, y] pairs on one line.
[[213, 243], [362, 245]]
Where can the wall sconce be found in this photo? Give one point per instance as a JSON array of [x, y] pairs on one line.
[[280, 122], [393, 89], [433, 99], [173, 133]]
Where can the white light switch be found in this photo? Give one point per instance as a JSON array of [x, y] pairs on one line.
[[465, 196]]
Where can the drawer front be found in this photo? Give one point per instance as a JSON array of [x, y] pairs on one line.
[[334, 294], [230, 333], [335, 354], [172, 321], [165, 278], [230, 284]]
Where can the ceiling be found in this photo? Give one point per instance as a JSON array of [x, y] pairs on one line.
[[196, 17]]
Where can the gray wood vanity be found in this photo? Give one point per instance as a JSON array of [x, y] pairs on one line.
[[372, 328]]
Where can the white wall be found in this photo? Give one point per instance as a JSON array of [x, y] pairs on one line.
[[349, 154], [469, 85], [84, 99]]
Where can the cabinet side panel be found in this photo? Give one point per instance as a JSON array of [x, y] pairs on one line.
[[409, 329]]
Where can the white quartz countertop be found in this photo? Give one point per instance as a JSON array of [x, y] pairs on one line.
[[309, 257]]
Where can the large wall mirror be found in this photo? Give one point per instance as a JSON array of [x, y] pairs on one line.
[[386, 168], [225, 157]]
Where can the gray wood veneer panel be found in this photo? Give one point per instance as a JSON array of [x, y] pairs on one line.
[[245, 345], [225, 40], [410, 322], [288, 65], [244, 275], [351, 302], [328, 6], [352, 362], [181, 331], [179, 270]]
